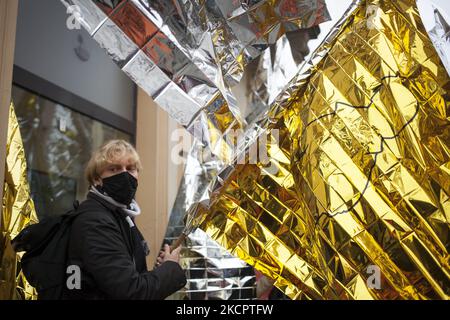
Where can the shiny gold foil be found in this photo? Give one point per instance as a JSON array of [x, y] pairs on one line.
[[17, 212], [358, 207]]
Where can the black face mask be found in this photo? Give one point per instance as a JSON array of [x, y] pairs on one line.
[[121, 187]]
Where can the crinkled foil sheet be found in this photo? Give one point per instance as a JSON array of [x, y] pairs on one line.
[[272, 70], [361, 190], [17, 212], [212, 273], [439, 30], [188, 54]]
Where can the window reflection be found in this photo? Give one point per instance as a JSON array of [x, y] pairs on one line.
[[58, 143]]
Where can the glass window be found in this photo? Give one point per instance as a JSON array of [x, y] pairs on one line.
[[58, 144]]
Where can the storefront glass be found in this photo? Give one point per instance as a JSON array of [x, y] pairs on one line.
[[58, 143]]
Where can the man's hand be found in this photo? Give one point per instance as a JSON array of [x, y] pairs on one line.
[[167, 255]]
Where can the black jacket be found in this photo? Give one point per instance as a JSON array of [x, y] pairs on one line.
[[111, 256]]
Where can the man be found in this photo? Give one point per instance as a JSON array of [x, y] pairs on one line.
[[105, 242]]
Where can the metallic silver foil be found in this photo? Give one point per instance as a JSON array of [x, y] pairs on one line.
[[200, 47], [213, 274], [87, 13], [438, 28]]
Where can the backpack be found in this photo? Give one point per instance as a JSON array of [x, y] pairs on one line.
[[45, 260]]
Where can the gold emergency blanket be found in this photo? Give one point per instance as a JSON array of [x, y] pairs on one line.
[[17, 212], [358, 207]]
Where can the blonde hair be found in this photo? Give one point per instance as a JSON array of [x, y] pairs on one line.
[[106, 154]]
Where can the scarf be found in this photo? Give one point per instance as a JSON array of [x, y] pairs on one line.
[[133, 211]]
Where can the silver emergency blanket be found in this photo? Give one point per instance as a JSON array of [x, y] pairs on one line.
[[437, 24], [188, 54]]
